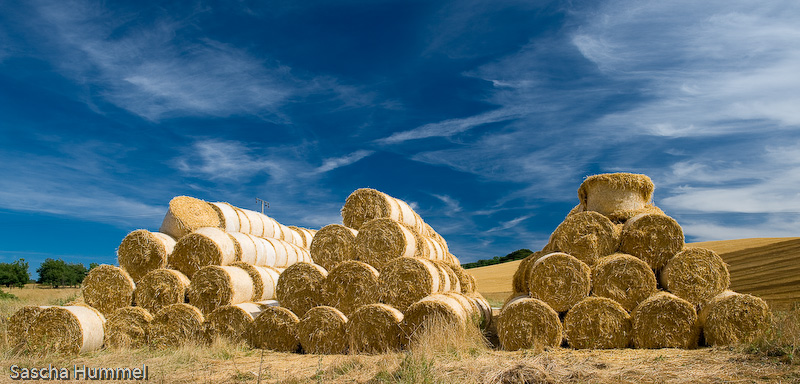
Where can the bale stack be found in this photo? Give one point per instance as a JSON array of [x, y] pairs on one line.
[[618, 272]]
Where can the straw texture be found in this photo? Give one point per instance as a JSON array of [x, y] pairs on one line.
[[323, 331], [108, 288], [597, 323], [560, 280], [623, 278], [186, 214], [160, 288], [128, 327], [526, 323], [374, 329], [696, 274], [275, 329], [142, 251], [300, 287], [332, 245]]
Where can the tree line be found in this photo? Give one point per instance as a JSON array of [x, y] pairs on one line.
[[516, 255], [55, 273]]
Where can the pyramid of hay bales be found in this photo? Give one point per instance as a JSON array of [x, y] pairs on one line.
[[618, 274]]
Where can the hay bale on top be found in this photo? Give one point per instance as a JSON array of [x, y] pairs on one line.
[[108, 288], [526, 322], [214, 286], [72, 329], [228, 219], [332, 245], [265, 280], [381, 240], [161, 288], [374, 329], [405, 280], [597, 323], [20, 322], [665, 321], [731, 318], [366, 204], [128, 327], [204, 247], [465, 279], [560, 280], [587, 236], [177, 324], [142, 251], [696, 275], [623, 278], [616, 195], [232, 322], [434, 311], [323, 331], [186, 214], [350, 285], [300, 287], [275, 329], [653, 238]]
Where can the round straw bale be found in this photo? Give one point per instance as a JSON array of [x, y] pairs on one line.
[[616, 195], [696, 274], [586, 236], [560, 280], [176, 324], [20, 322], [305, 235], [255, 221], [521, 279], [72, 329], [365, 204], [453, 283], [186, 214], [528, 323], [485, 309], [465, 279], [731, 318], [665, 321], [597, 323], [142, 251], [374, 329], [300, 287], [108, 288], [297, 254], [128, 327], [246, 248], [232, 322], [332, 245], [434, 311], [471, 308], [214, 286], [275, 329], [281, 249], [653, 238], [203, 247], [406, 280], [160, 288], [323, 331], [434, 250], [265, 280], [350, 285], [381, 240], [623, 278], [229, 220], [244, 221]]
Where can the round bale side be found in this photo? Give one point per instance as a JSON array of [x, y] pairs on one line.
[[160, 288], [665, 321], [597, 323], [214, 286], [560, 280], [186, 214], [72, 329], [623, 278]]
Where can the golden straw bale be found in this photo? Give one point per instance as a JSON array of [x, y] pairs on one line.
[[108, 288], [215, 285], [265, 280], [350, 285], [256, 222], [405, 280], [526, 322], [72, 329], [160, 288], [453, 283], [587, 236], [275, 329], [246, 248], [623, 278], [374, 329], [244, 221], [228, 219], [433, 311], [176, 324], [485, 309], [186, 214], [303, 234], [332, 245], [381, 240], [471, 308], [203, 247], [653, 238], [232, 322], [142, 251], [300, 287], [19, 323], [597, 323], [616, 195], [520, 280], [665, 321], [696, 274], [560, 280], [128, 327], [465, 279], [322, 331], [365, 204], [732, 318]]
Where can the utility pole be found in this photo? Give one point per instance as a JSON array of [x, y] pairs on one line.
[[264, 203]]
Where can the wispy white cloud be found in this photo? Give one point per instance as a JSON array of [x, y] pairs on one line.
[[338, 162], [721, 229]]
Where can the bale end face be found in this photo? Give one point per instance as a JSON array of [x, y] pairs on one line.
[[587, 236], [186, 214], [732, 318], [653, 238], [70, 329], [526, 323], [696, 275], [300, 287], [560, 280], [275, 329], [177, 324], [597, 323], [323, 331], [623, 278], [374, 329], [128, 327], [160, 288], [142, 251], [665, 321], [350, 285], [108, 288]]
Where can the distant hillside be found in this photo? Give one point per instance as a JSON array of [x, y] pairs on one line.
[[516, 255]]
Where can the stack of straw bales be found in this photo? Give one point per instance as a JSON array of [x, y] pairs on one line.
[[617, 272]]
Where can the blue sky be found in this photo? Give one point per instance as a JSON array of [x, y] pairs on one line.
[[484, 115]]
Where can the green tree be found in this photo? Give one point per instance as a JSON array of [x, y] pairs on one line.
[[14, 274], [77, 273], [54, 273]]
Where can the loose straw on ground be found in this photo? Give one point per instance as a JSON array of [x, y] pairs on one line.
[[108, 288], [186, 214], [623, 278], [405, 280], [160, 288], [696, 274], [204, 247], [175, 325], [214, 286], [382, 240], [587, 236], [597, 323], [616, 195], [332, 245], [653, 238], [733, 318], [560, 280], [322, 331], [665, 321], [128, 327], [526, 323], [275, 329], [71, 329], [350, 285], [300, 287], [142, 251], [374, 329]]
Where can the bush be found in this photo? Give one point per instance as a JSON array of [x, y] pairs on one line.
[[14, 274]]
